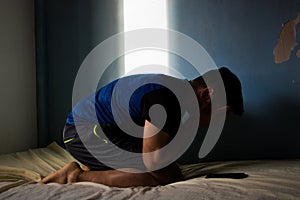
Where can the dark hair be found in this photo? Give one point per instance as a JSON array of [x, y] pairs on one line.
[[232, 86]]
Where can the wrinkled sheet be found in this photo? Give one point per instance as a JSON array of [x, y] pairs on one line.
[[268, 179]]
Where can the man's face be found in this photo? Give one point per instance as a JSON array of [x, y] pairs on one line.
[[204, 96]]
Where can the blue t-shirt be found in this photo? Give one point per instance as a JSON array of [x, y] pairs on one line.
[[134, 94], [128, 101]]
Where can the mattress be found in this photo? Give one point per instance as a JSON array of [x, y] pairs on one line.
[[21, 172]]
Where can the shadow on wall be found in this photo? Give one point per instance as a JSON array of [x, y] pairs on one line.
[[65, 34], [250, 136]]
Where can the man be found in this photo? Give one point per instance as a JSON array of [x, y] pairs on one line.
[[97, 124]]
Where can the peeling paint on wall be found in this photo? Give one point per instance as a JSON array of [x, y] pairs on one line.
[[287, 41]]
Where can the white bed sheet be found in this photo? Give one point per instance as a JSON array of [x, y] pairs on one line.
[[268, 179]]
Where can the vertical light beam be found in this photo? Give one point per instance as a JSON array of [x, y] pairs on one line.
[[145, 14]]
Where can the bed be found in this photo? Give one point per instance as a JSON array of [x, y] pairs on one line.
[[267, 179]]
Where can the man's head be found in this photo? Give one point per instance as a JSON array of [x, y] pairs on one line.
[[206, 92]]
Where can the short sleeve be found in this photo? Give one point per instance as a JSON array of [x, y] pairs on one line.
[[168, 100]]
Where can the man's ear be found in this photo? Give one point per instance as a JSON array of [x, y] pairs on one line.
[[205, 95]]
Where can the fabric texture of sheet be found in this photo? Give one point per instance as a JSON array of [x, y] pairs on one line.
[[267, 179]]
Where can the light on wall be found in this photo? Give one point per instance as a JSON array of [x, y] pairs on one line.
[[145, 14]]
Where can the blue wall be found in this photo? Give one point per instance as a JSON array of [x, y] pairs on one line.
[[242, 35]]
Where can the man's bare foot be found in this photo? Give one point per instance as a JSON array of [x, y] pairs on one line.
[[67, 174], [85, 168]]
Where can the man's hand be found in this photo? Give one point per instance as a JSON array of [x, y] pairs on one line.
[[68, 174], [152, 142]]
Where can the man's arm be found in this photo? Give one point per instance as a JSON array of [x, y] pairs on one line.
[[154, 139]]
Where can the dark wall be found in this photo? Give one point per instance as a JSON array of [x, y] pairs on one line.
[[242, 35], [67, 30]]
